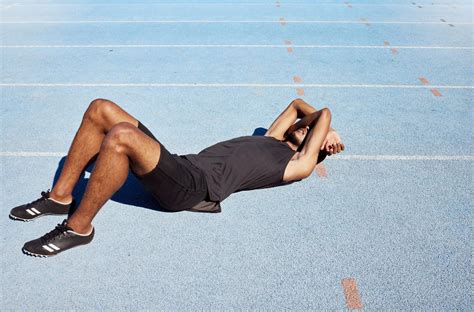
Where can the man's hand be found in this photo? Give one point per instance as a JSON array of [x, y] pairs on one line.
[[332, 143]]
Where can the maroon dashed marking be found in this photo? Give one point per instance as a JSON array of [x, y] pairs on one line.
[[424, 81], [394, 50], [436, 92], [353, 300], [321, 170], [289, 49], [299, 91]]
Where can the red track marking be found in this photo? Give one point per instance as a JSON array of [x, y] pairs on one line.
[[321, 170], [436, 92], [424, 81], [299, 91], [353, 300], [289, 49], [386, 43], [297, 79], [394, 51], [282, 21]]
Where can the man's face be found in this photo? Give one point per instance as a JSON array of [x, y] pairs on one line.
[[297, 136]]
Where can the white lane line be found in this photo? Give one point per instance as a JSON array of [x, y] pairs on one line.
[[32, 154], [247, 4], [6, 7], [336, 157], [146, 46], [228, 21], [232, 85], [403, 157]]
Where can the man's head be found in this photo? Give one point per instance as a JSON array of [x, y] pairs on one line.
[[297, 137]]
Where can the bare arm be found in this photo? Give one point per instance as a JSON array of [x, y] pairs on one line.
[[304, 109], [332, 143], [306, 160], [283, 122], [306, 121]]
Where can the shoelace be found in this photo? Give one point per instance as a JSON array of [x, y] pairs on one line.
[[44, 196], [59, 230]]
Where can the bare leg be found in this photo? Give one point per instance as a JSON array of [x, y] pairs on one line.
[[98, 119], [123, 145]]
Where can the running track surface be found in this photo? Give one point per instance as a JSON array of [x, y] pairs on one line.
[[383, 226]]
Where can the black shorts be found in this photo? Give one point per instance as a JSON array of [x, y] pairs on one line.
[[175, 182]]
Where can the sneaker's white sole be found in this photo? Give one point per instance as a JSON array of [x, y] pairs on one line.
[[43, 214], [32, 254]]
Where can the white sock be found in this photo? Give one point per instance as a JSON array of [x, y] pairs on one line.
[[59, 202]]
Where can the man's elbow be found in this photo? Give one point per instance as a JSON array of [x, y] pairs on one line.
[[326, 112]]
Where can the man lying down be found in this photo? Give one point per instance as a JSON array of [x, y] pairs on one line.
[[298, 139]]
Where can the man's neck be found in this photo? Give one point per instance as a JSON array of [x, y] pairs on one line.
[[291, 145]]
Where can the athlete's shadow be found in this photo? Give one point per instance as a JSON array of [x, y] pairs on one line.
[[131, 193]]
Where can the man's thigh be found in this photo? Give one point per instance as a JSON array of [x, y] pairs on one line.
[[143, 151]]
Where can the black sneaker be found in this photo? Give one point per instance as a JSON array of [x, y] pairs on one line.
[[40, 207], [60, 239]]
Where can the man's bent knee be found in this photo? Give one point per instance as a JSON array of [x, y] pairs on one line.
[[99, 110], [120, 136]]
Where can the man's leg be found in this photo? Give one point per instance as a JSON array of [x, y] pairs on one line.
[[98, 119], [124, 146]]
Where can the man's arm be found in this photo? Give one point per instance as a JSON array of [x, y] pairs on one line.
[[306, 160], [332, 143], [304, 109], [283, 122]]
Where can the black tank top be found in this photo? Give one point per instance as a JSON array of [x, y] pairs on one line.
[[243, 163]]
